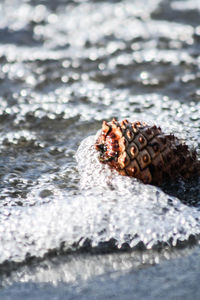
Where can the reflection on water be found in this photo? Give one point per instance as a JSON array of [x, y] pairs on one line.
[[65, 67]]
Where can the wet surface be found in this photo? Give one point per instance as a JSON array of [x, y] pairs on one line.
[[65, 67]]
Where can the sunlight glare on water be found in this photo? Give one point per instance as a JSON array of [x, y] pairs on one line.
[[65, 67]]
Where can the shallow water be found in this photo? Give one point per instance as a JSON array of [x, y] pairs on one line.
[[65, 67]]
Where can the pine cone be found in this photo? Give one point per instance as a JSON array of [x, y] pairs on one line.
[[145, 152]]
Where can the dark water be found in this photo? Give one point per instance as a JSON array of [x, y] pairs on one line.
[[70, 228]]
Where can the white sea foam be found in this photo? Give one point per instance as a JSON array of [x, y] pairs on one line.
[[129, 211]]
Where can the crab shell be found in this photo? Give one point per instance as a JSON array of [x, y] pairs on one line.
[[145, 152]]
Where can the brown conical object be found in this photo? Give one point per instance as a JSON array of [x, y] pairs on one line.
[[145, 152]]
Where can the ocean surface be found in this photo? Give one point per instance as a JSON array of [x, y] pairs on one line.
[[71, 228]]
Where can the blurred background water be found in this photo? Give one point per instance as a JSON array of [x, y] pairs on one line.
[[71, 228]]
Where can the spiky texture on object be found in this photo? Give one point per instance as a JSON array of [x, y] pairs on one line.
[[145, 152]]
